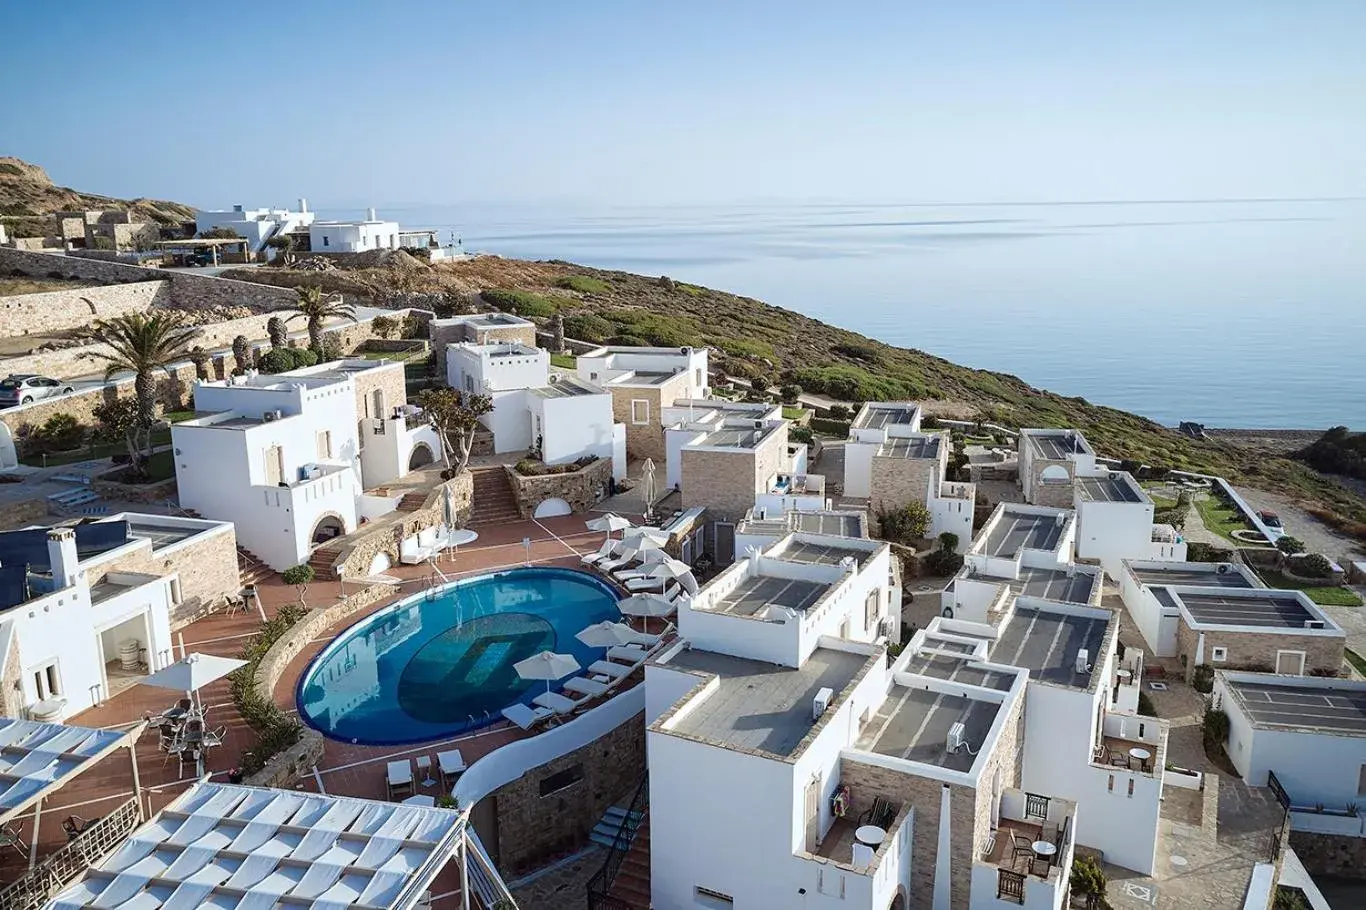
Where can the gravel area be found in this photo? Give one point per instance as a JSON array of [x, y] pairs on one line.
[[1317, 536]]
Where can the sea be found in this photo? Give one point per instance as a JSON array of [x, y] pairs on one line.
[[1231, 313]]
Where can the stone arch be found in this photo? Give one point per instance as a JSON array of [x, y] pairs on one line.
[[549, 508], [1054, 473], [420, 456], [328, 526], [382, 562], [899, 901]]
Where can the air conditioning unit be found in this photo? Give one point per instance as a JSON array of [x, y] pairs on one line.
[[1083, 663], [957, 738], [758, 424], [821, 703], [886, 628], [1224, 568], [268, 416], [1313, 624]]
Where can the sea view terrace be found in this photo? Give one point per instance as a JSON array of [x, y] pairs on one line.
[[1115, 487], [1056, 445]]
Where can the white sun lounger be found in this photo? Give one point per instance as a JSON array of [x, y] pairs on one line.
[[585, 686], [526, 717], [609, 669], [625, 559], [559, 704], [626, 653], [399, 776], [603, 552], [645, 584]]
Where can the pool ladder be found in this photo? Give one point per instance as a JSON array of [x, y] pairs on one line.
[[436, 579]]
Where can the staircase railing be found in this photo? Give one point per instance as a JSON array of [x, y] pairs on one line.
[[486, 884], [41, 883], [600, 885]]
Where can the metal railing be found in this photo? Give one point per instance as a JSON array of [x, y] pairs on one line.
[[41, 883], [600, 885], [1277, 790], [1036, 806], [1010, 886]]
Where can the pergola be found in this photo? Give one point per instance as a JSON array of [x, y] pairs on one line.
[[210, 243]]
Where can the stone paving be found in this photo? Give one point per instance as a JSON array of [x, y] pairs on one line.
[[563, 886]]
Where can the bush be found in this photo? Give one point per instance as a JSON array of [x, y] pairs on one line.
[[943, 562], [275, 731], [583, 284], [628, 341], [800, 434], [948, 541], [534, 467], [1202, 679], [383, 326], [839, 412], [1197, 551], [282, 360], [789, 393], [588, 327], [1315, 565], [830, 427], [759, 384], [905, 525], [60, 433], [1215, 726], [522, 303], [1088, 878]]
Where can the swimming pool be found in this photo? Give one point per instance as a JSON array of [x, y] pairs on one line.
[[440, 662]]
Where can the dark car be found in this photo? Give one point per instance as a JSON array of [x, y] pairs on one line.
[[22, 388]]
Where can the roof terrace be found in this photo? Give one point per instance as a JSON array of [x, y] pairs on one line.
[[879, 415], [566, 387], [738, 438], [1203, 574], [812, 549], [755, 593], [1336, 707], [1256, 608], [1019, 530], [1114, 487], [913, 723], [1077, 586], [757, 705], [826, 523], [926, 446], [1046, 643], [1055, 445]]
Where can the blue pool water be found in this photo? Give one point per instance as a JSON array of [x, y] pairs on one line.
[[432, 666]]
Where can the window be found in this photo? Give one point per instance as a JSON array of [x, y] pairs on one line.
[[1111, 785], [469, 383], [326, 240], [705, 897], [324, 443], [1218, 655], [561, 779], [870, 610], [47, 681], [593, 376], [640, 410], [844, 628], [1361, 781], [1131, 788], [697, 377]]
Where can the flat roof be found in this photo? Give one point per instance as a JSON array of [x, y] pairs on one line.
[[223, 845], [824, 554], [1263, 609], [910, 447], [1046, 644], [1282, 705], [756, 592], [734, 437], [1018, 531], [760, 705], [160, 535], [962, 668], [837, 524], [879, 416], [1192, 577], [1109, 488], [647, 377], [567, 387], [104, 590], [1054, 584], [913, 723], [1054, 446]]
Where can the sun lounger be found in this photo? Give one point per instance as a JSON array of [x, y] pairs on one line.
[[625, 559], [640, 585], [398, 778], [608, 669], [452, 765], [603, 552], [585, 686], [558, 703], [526, 717], [625, 654]]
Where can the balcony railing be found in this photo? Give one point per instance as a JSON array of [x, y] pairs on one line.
[[1010, 886], [42, 882]]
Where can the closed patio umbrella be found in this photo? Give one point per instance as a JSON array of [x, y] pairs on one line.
[[610, 523], [546, 665], [649, 486], [606, 634]]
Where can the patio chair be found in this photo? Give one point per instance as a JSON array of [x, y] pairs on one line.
[[451, 765], [585, 686], [10, 838], [603, 552], [1040, 867], [1021, 846], [188, 755], [398, 778], [526, 717], [1050, 832]]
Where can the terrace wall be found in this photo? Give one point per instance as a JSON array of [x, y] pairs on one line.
[[206, 564], [1322, 653], [54, 311], [899, 481], [582, 489]]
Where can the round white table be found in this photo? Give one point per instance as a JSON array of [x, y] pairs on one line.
[[458, 538], [1044, 849], [871, 835], [1123, 675], [1140, 754]]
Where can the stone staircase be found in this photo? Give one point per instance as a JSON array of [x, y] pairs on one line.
[[251, 567], [322, 561], [493, 501], [411, 502], [632, 884]]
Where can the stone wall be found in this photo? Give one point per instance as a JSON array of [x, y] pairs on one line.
[[721, 482], [53, 311], [385, 534], [1331, 854], [12, 683], [895, 482], [187, 290], [389, 380], [1054, 495], [206, 564], [646, 440], [532, 828], [582, 489], [1253, 649], [458, 332], [22, 513]]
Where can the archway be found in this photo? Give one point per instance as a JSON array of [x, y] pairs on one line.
[[549, 508], [898, 902], [381, 563], [420, 457], [327, 527], [1054, 473], [9, 456]]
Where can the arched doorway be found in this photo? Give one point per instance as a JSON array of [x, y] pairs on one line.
[[1054, 473], [326, 528], [898, 902], [420, 457], [381, 563], [549, 508]]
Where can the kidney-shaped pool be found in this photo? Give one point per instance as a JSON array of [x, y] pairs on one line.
[[440, 662]]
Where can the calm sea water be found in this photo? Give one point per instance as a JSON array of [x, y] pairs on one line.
[[1237, 314]]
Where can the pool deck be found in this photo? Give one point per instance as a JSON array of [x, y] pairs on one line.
[[351, 770]]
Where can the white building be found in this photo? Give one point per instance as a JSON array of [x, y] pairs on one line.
[[256, 225], [1049, 460], [287, 458], [563, 418], [371, 233], [891, 463], [1310, 733], [643, 382], [81, 613]]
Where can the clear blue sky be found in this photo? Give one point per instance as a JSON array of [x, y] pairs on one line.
[[642, 103]]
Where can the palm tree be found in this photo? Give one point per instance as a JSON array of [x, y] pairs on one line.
[[141, 343], [317, 309], [279, 336]]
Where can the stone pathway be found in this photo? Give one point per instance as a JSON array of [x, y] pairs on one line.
[[563, 886]]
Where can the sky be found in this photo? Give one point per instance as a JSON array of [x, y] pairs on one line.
[[642, 103]]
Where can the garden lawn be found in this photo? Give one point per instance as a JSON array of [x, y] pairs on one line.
[[1222, 518], [564, 361], [1357, 661], [1323, 595], [790, 413], [161, 466]]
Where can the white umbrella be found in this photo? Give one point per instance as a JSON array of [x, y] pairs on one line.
[[649, 488], [676, 568], [606, 634], [653, 556], [644, 538], [192, 672], [645, 606], [611, 523], [546, 665]]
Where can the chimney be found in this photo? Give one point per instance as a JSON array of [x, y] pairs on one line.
[[303, 205], [61, 554], [370, 215]]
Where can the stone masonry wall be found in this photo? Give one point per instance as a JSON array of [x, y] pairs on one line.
[[582, 489], [389, 379], [442, 335], [187, 291], [1053, 495], [898, 481], [645, 440], [53, 311], [722, 482], [207, 566], [385, 534], [1331, 854], [532, 828], [12, 683], [1245, 649]]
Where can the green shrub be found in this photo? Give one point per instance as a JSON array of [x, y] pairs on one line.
[[1088, 878], [1315, 565], [789, 393], [383, 326], [60, 433], [904, 525], [522, 303], [583, 284], [1202, 678], [1197, 551], [943, 562], [839, 412], [276, 360], [1215, 726], [666, 331], [588, 327], [800, 434], [759, 384], [830, 427], [275, 731], [628, 341]]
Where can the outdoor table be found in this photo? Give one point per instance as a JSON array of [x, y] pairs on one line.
[[871, 835], [1044, 849]]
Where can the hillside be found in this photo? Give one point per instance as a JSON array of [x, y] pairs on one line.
[[27, 194], [756, 339]]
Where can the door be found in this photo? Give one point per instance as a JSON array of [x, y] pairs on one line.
[[724, 543], [813, 813], [1290, 662]]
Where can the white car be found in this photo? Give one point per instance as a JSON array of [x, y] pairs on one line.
[[22, 388]]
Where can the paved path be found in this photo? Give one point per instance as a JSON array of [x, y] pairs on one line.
[[1317, 536]]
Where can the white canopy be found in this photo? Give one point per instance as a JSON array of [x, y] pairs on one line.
[[606, 634], [645, 605], [192, 672], [646, 538], [611, 523], [546, 665], [676, 568]]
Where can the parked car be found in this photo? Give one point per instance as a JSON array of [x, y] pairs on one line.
[[21, 388], [1270, 519]]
